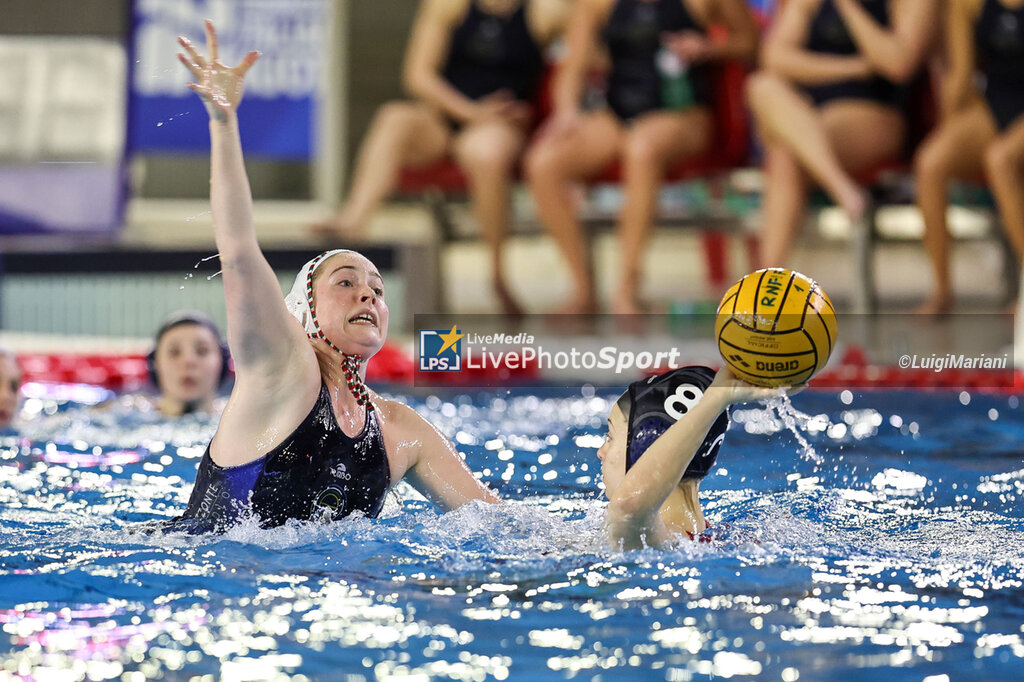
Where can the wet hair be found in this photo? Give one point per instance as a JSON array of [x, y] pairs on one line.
[[652, 405]]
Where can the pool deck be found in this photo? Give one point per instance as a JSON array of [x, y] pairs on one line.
[[675, 267]]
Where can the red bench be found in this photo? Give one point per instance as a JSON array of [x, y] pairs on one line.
[[439, 182]]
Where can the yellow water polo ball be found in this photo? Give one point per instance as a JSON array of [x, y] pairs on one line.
[[775, 327]]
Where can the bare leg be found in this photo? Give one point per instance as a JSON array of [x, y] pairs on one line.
[[553, 165], [401, 134], [652, 142], [1004, 166], [787, 118], [488, 153], [953, 150], [862, 134], [785, 196]]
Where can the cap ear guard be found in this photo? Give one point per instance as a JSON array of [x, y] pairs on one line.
[[651, 406]]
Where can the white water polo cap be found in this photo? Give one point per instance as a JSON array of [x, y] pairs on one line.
[[300, 299], [299, 302]]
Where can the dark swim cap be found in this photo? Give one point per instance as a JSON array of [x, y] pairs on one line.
[[654, 404], [195, 317]]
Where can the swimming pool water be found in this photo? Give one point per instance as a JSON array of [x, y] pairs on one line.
[[895, 549]]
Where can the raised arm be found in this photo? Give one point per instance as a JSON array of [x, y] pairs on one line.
[[432, 464], [634, 509], [784, 52], [894, 52], [262, 335]]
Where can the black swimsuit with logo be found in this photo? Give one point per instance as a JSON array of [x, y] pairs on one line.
[[317, 472], [828, 35], [634, 38], [491, 53], [999, 41]]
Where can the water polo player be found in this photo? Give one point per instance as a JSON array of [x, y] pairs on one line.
[[188, 364], [10, 385], [664, 434], [301, 436]]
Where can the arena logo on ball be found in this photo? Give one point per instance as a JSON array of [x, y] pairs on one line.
[[440, 350]]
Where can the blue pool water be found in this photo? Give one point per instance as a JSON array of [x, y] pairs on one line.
[[892, 547]]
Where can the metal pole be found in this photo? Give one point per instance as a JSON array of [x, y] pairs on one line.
[[332, 110]]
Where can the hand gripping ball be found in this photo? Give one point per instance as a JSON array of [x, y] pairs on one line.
[[775, 327]]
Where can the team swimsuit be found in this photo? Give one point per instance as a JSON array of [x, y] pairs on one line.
[[491, 53], [633, 35], [828, 34], [999, 43], [318, 472]]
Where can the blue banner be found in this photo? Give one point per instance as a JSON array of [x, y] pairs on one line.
[[277, 115]]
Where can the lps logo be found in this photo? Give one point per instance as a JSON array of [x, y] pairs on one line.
[[440, 351]]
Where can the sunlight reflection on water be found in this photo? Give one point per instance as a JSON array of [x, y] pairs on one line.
[[894, 547]]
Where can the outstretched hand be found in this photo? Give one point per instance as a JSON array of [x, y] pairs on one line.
[[219, 86], [735, 390]]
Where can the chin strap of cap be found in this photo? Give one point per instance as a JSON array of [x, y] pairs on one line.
[[350, 366]]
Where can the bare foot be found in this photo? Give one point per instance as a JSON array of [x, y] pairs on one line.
[[578, 305], [855, 203], [937, 304], [338, 225], [626, 303]]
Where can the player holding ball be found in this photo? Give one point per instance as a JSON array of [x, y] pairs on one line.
[[775, 328]]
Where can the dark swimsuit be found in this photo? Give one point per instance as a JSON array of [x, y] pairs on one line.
[[317, 472], [491, 53], [827, 34], [999, 43], [633, 36]]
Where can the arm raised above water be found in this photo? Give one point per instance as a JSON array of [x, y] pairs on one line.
[[266, 342]]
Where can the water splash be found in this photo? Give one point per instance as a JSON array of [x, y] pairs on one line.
[[898, 567], [796, 422], [190, 275], [160, 124]]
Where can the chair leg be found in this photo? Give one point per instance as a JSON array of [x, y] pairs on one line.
[[715, 254], [752, 244], [440, 213], [1011, 268], [863, 244]]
